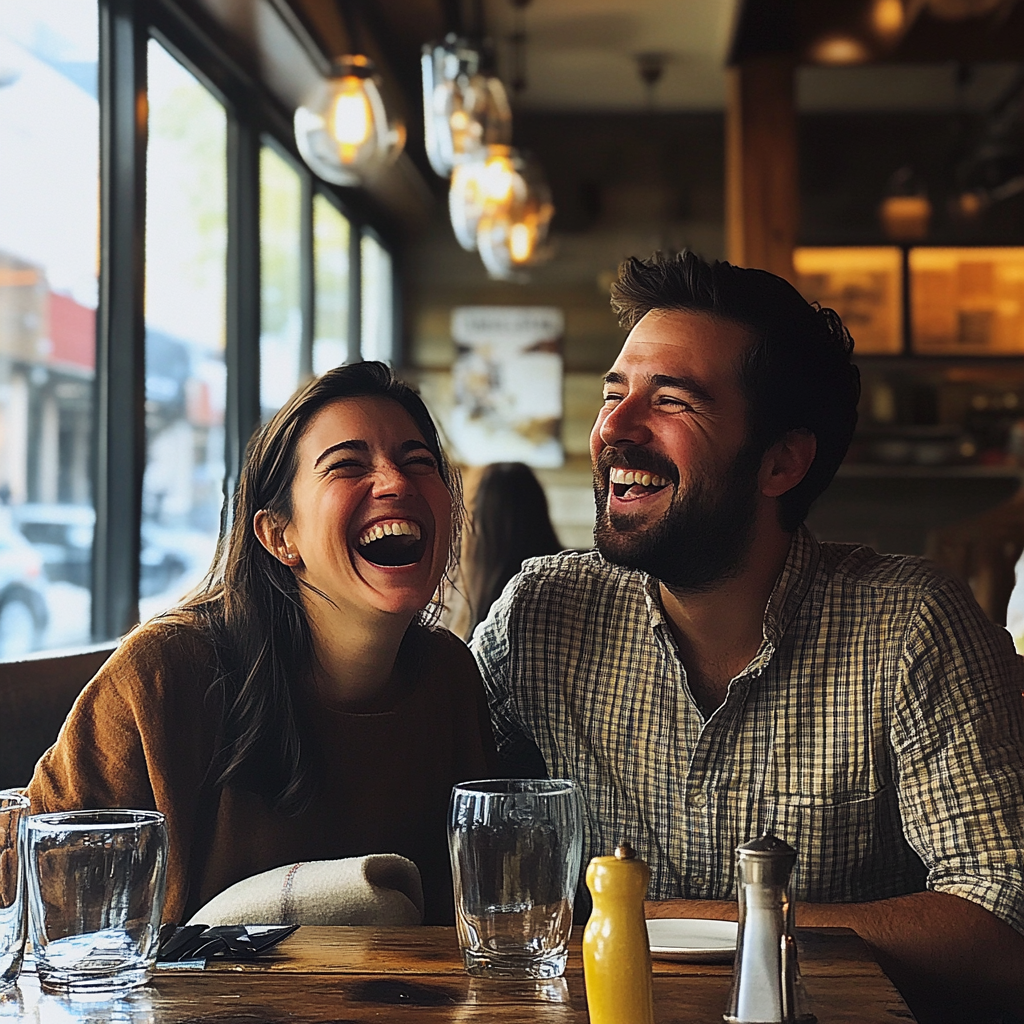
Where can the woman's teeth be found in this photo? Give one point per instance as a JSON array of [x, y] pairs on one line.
[[392, 528], [636, 476]]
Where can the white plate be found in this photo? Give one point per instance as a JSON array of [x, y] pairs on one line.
[[681, 938]]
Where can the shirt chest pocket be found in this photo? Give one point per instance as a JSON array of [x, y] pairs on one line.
[[848, 845]]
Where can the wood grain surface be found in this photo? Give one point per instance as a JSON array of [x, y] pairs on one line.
[[348, 975]]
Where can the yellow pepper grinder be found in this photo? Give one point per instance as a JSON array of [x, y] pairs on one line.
[[616, 952]]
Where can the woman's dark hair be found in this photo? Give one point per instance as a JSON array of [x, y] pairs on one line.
[[797, 373], [509, 524], [251, 606]]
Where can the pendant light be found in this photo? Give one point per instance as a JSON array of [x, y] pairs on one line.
[[511, 235], [463, 108], [342, 129]]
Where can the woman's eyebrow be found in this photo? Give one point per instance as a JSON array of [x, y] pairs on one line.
[[413, 445], [356, 446]]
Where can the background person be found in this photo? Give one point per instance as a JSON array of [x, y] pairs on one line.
[[509, 523], [299, 705]]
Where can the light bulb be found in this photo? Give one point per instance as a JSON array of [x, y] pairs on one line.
[[353, 119], [498, 178], [520, 243]]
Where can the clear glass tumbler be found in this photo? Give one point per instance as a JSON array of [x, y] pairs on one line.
[[515, 848], [95, 893], [14, 807]]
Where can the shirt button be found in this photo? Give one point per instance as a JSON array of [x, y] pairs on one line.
[[698, 800]]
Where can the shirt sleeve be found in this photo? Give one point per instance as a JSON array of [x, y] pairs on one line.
[[958, 734], [137, 737], [493, 646]]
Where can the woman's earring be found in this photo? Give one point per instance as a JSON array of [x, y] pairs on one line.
[[291, 557]]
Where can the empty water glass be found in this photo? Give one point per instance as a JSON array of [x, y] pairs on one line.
[[95, 892], [14, 807], [515, 849]]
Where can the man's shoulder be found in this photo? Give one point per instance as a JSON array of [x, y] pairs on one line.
[[859, 566], [574, 574]]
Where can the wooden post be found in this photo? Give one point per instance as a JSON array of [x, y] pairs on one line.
[[762, 200]]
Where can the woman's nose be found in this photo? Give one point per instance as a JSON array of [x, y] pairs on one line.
[[389, 480], [626, 423]]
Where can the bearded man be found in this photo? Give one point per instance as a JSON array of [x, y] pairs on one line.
[[711, 672]]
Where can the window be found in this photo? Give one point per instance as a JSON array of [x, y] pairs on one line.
[[330, 261], [280, 281], [377, 301], [186, 242], [101, 364], [49, 169]]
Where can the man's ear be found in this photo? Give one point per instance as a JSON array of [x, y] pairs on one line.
[[271, 535], [786, 463]]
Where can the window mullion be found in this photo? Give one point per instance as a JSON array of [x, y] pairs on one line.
[[307, 279], [120, 342], [355, 293], [242, 348]]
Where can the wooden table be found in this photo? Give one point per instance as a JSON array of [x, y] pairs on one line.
[[406, 975]]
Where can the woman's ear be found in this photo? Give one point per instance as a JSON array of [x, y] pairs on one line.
[[271, 535], [786, 463]]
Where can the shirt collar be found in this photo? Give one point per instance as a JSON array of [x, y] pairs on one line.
[[787, 595]]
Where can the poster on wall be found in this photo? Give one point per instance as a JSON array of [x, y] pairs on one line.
[[507, 379]]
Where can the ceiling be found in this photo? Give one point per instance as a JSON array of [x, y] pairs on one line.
[[581, 54]]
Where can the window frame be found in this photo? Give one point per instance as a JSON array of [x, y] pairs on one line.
[[254, 118]]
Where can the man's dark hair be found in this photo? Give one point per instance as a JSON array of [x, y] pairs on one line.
[[797, 373]]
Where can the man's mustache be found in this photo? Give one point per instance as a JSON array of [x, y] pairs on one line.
[[632, 457]]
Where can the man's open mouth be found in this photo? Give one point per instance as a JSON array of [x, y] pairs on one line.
[[635, 483], [392, 542]]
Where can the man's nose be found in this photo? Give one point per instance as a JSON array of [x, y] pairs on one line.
[[626, 423]]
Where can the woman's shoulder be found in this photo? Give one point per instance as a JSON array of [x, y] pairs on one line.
[[439, 652], [163, 655]]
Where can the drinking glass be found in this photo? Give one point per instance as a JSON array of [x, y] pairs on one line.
[[14, 807], [515, 848], [95, 893]]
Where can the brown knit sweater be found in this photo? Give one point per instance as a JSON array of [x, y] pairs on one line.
[[145, 731]]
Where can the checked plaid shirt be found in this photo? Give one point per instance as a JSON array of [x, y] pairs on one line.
[[879, 729]]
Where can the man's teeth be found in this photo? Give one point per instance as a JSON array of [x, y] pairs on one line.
[[636, 476], [392, 528]]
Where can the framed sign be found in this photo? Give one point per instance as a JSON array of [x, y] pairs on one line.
[[507, 379]]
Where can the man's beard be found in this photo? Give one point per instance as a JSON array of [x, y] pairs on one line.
[[702, 539]]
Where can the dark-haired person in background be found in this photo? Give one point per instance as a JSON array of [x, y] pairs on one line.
[[713, 672], [299, 705], [509, 523]]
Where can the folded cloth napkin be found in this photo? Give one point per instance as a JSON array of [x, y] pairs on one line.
[[379, 889]]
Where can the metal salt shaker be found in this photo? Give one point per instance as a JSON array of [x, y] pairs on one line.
[[766, 986]]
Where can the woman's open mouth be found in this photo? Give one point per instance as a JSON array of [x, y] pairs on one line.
[[630, 484], [392, 542]]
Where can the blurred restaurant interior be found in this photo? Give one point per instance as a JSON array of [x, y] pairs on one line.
[[179, 249]]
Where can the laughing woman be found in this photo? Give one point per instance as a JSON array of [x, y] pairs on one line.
[[300, 705]]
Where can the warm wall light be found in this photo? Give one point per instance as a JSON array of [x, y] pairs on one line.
[[343, 130], [905, 218], [887, 18], [839, 49]]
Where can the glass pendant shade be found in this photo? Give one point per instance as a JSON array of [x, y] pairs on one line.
[[511, 235], [463, 109], [343, 130], [483, 184]]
